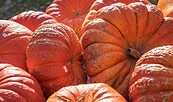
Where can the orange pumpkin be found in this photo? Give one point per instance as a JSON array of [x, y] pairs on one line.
[[53, 57], [13, 41], [98, 92], [152, 77], [166, 7], [116, 36], [70, 12], [32, 19], [16, 85]]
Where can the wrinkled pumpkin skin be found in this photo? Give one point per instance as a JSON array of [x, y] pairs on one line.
[[13, 41], [53, 57], [16, 85], [33, 19], [98, 92], [116, 36], [152, 77], [70, 12], [166, 6]]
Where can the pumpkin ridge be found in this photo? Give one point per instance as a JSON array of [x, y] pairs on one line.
[[118, 30], [15, 89], [106, 70], [11, 91]]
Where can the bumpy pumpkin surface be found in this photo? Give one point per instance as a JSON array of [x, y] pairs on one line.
[[16, 85], [70, 12], [116, 36], [98, 92], [53, 57], [166, 6], [152, 77], [13, 41], [32, 19]]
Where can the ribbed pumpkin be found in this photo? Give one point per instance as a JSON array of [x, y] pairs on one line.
[[32, 19], [53, 57], [100, 3], [98, 92], [166, 7], [116, 36], [13, 41], [16, 85], [152, 77], [70, 12]]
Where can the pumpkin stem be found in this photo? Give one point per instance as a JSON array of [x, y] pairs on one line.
[[87, 96], [76, 13], [134, 53]]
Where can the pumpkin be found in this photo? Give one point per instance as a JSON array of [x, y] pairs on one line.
[[116, 36], [13, 41], [97, 92], [54, 57], [16, 85], [166, 7], [70, 12], [32, 19], [151, 79], [100, 3]]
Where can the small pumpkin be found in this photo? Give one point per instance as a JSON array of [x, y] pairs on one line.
[[16, 85], [13, 41], [151, 79], [70, 12], [97, 92], [32, 19], [115, 37], [166, 6], [54, 57]]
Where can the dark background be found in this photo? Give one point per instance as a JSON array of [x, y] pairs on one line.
[[9, 8]]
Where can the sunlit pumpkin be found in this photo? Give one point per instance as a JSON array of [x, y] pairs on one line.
[[16, 85], [98, 92], [53, 57], [70, 12], [152, 77], [32, 19], [116, 36], [166, 6], [13, 41]]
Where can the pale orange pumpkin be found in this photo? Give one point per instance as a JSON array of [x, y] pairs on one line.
[[166, 7], [97, 92]]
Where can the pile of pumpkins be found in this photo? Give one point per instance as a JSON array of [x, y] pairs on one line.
[[88, 51]]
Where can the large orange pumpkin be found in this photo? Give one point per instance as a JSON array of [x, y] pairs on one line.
[[13, 41], [32, 19], [152, 77], [98, 92], [16, 85], [166, 7], [116, 36], [70, 12], [53, 57]]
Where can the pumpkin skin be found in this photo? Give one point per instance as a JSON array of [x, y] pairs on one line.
[[70, 12], [151, 79], [13, 41], [33, 19], [98, 92], [16, 85], [53, 57], [115, 37], [166, 6], [101, 3]]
